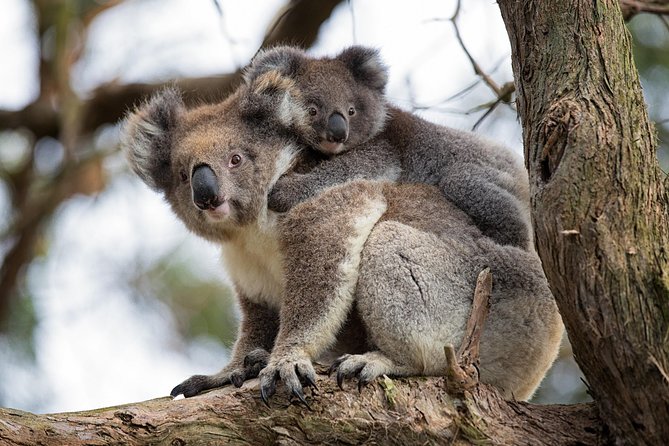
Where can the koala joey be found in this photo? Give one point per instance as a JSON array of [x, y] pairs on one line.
[[348, 110], [376, 274]]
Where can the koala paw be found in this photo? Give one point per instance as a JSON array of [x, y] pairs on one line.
[[366, 368], [296, 372], [253, 363], [286, 193]]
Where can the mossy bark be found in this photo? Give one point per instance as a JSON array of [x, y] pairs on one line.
[[600, 203]]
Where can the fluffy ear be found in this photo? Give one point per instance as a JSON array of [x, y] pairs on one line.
[[146, 137], [366, 66], [287, 60], [275, 99]]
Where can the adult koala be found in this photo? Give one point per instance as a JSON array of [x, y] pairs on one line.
[[380, 272]]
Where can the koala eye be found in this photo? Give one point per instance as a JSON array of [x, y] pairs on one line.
[[235, 160], [351, 111], [184, 176], [313, 111]]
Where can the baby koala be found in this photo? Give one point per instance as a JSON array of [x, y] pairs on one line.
[[351, 118]]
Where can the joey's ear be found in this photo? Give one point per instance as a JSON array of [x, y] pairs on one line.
[[146, 137], [275, 99], [366, 66], [287, 60]]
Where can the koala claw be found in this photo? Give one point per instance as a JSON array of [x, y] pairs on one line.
[[255, 361], [295, 371], [300, 395], [192, 386], [350, 366]]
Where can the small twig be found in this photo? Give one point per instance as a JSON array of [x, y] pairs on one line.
[[462, 371], [469, 350]]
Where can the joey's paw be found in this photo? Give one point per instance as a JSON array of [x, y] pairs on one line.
[[365, 368], [294, 370], [284, 195], [257, 358]]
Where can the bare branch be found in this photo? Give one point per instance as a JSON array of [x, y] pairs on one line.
[[630, 8], [420, 413]]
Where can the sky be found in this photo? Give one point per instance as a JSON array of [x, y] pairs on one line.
[[95, 344]]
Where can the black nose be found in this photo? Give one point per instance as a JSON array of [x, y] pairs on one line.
[[337, 128], [205, 187]]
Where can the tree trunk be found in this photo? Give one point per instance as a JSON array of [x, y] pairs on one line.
[[600, 206], [400, 412]]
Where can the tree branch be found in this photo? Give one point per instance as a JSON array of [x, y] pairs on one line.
[[420, 413]]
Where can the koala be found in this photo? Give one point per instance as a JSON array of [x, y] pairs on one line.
[[376, 274], [351, 118]]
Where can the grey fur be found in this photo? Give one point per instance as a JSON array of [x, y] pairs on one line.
[[382, 272], [482, 178]]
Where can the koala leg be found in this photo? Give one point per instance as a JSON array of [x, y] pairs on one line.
[[321, 240], [414, 294], [522, 335], [487, 196], [258, 328]]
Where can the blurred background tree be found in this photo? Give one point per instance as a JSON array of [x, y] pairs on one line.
[[93, 263]]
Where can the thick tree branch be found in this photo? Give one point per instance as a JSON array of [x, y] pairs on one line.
[[419, 412]]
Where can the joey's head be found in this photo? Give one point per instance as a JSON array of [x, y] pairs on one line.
[[216, 163], [343, 95]]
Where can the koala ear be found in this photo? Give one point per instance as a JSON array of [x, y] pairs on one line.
[[146, 137], [366, 66], [287, 60], [276, 98]]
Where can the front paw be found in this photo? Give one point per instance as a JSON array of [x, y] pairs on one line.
[[294, 370], [251, 367], [286, 193]]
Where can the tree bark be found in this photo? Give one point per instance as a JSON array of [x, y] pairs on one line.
[[599, 203], [397, 412]]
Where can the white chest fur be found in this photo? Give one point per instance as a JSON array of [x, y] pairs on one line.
[[254, 262]]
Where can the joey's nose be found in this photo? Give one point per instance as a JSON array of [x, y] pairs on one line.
[[337, 128], [205, 187]]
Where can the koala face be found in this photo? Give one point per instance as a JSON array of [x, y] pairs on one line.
[[216, 163], [344, 95]]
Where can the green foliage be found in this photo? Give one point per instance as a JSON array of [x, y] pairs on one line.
[[201, 306]]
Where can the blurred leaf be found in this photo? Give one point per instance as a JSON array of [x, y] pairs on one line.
[[20, 328], [201, 307]]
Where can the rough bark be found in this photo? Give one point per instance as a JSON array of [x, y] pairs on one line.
[[399, 412], [600, 206]]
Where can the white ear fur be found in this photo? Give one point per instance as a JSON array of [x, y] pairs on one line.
[[146, 135]]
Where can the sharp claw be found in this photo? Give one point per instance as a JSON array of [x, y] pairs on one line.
[[263, 396], [361, 383], [340, 380], [310, 382], [298, 393], [237, 379]]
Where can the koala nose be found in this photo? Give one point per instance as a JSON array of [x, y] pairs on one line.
[[337, 128], [205, 187]]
